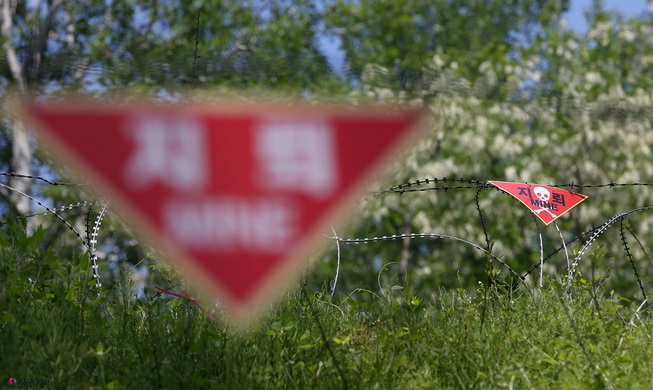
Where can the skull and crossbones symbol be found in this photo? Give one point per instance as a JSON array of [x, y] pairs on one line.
[[543, 195]]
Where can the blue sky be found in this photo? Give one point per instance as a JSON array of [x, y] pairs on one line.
[[627, 7], [575, 18]]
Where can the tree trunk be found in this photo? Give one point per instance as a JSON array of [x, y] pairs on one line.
[[21, 157], [21, 161]]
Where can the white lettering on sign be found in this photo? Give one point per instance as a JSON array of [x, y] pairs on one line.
[[168, 149], [296, 154], [229, 224]]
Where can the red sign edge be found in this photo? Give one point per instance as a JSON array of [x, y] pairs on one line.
[[279, 281], [493, 182]]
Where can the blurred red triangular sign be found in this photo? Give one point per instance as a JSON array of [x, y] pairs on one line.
[[237, 195]]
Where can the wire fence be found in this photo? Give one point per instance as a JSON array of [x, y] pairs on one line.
[[96, 210]]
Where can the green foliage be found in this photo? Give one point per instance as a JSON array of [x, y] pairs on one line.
[[31, 272], [402, 37], [152, 47]]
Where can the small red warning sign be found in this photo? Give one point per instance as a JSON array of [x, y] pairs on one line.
[[547, 202]]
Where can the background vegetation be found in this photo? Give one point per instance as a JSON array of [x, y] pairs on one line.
[[516, 94]]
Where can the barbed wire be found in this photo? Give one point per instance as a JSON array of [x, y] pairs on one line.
[[40, 178], [535, 266], [424, 235], [53, 210], [467, 183], [421, 185], [602, 185], [624, 241], [446, 184], [408, 187], [437, 184], [49, 209], [92, 238], [602, 229]]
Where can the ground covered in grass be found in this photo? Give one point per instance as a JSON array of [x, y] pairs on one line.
[[56, 331], [488, 338]]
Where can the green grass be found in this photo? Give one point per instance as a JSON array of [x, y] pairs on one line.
[[53, 329]]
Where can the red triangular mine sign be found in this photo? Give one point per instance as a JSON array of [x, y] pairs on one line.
[[237, 195], [547, 202]]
